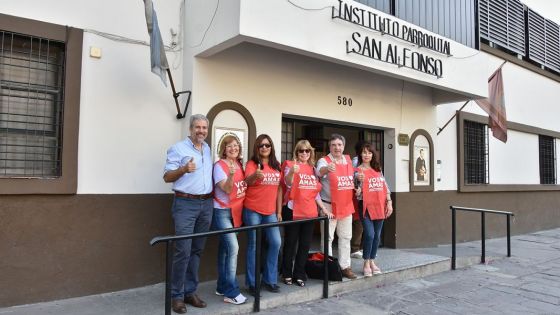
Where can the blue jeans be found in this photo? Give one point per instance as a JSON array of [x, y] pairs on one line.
[[372, 234], [190, 216], [270, 274], [227, 254]]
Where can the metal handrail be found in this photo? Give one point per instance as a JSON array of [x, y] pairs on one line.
[[256, 304], [482, 231]]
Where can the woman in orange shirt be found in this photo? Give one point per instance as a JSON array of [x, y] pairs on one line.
[[263, 204], [304, 187], [374, 204], [229, 192]]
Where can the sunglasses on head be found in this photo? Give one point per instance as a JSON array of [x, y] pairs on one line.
[[264, 145], [303, 151]]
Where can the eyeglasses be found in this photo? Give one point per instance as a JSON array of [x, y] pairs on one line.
[[304, 151], [264, 145], [232, 146]]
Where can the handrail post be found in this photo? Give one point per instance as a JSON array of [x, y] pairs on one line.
[[170, 239], [325, 258], [483, 237], [482, 212], [508, 236], [453, 239], [257, 304], [168, 266]]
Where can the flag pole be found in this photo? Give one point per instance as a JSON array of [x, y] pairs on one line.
[[175, 95], [501, 66], [452, 117]]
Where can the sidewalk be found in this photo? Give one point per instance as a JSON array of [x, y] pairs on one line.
[[398, 266], [526, 283]]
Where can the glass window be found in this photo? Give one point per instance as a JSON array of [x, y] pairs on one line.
[[287, 140], [40, 80], [476, 152], [31, 106], [547, 160]]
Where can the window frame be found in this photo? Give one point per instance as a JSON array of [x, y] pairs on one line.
[[485, 163], [462, 187], [542, 157], [67, 183], [287, 145]]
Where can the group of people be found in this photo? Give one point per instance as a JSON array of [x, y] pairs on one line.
[[224, 195]]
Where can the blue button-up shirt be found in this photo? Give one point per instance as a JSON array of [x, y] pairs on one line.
[[198, 182]]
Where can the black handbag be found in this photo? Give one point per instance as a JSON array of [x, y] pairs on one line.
[[314, 267]]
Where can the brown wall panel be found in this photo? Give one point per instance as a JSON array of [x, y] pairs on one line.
[[55, 247], [423, 219]]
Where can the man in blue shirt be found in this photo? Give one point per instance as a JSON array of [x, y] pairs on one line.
[[189, 168]]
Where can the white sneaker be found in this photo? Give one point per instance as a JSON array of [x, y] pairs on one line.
[[359, 254], [219, 294], [240, 299]]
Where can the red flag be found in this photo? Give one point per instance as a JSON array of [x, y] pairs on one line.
[[495, 106]]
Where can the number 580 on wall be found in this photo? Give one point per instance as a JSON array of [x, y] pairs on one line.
[[343, 100]]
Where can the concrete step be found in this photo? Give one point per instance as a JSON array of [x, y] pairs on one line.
[[397, 265]]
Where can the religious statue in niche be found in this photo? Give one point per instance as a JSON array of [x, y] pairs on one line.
[[421, 161], [422, 177]]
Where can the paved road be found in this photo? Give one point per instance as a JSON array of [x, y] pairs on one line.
[[526, 283]]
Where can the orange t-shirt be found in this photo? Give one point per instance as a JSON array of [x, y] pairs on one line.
[[305, 188], [342, 188], [237, 194], [374, 194], [261, 196]]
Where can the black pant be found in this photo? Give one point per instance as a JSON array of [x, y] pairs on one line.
[[297, 241]]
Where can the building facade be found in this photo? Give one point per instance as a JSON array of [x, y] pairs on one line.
[[85, 125]]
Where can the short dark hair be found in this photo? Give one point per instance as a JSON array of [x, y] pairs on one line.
[[336, 136], [374, 163]]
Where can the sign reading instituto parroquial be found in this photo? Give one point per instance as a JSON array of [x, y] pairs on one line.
[[391, 53]]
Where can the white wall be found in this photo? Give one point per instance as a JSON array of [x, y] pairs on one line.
[[209, 26], [531, 99], [127, 116], [306, 27], [270, 82], [125, 18], [514, 162], [446, 146]]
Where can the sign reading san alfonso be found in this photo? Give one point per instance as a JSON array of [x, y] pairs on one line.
[[391, 53]]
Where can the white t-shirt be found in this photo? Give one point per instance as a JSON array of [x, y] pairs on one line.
[[219, 175]]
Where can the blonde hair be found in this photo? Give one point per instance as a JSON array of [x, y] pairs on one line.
[[304, 144], [225, 142]]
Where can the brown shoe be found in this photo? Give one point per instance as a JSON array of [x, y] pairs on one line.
[[178, 306], [348, 273], [195, 301]]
